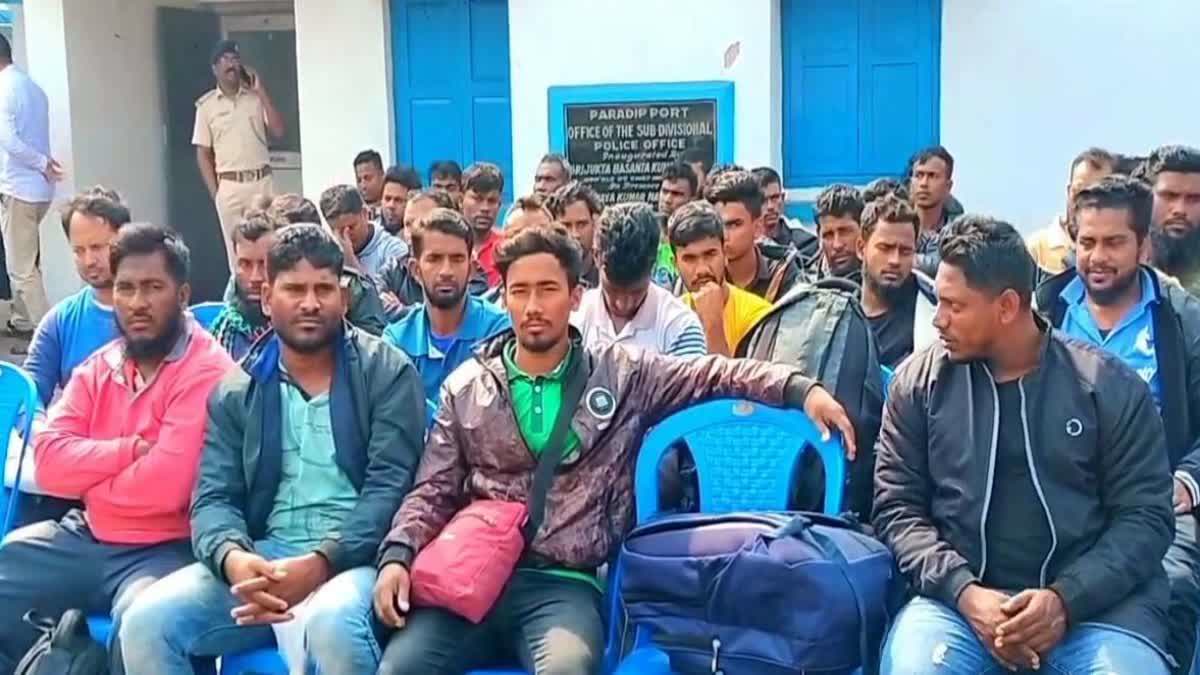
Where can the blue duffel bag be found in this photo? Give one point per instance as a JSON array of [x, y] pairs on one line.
[[760, 593]]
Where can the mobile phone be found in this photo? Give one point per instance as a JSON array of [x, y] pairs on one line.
[[246, 76]]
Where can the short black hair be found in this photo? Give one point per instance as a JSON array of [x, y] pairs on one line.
[[402, 174], [556, 158], [681, 171], [254, 224], [446, 221], [693, 222], [97, 202], [1170, 159], [934, 151], [1097, 158], [5, 49], [572, 192], [1119, 192], [369, 157], [693, 155], [891, 208], [445, 167], [719, 170], [884, 186], [137, 239], [765, 176], [293, 208], [991, 254], [735, 185], [627, 238], [553, 239], [304, 241], [839, 201], [1130, 165], [443, 200], [482, 178], [340, 200]]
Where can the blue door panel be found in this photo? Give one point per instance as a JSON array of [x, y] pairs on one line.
[[860, 87], [451, 86]]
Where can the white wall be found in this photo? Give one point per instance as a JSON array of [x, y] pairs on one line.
[[343, 64], [553, 42], [1027, 84]]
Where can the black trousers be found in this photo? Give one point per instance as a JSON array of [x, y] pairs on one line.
[[1182, 563], [551, 625], [53, 566]]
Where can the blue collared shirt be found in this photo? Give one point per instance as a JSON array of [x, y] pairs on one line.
[[481, 320], [1132, 339]]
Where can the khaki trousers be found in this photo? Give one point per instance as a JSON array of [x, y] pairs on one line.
[[233, 198], [20, 223]]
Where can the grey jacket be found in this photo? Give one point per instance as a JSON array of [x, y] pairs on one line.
[[1098, 459]]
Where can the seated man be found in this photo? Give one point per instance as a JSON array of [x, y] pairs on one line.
[[677, 185], [577, 206], [482, 194], [765, 269], [308, 453], [495, 419], [727, 312], [526, 211], [839, 217], [627, 308], [79, 325], [898, 301], [398, 183], [1052, 247], [367, 246], [241, 321], [365, 310], [126, 435], [442, 333], [1021, 482], [775, 225], [1153, 325]]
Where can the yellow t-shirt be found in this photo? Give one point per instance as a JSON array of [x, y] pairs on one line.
[[743, 311]]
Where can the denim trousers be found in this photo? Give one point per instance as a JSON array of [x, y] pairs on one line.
[[929, 638]]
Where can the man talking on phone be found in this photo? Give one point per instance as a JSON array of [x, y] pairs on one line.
[[232, 123]]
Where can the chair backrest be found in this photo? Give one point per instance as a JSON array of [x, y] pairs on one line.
[[206, 312], [746, 454], [18, 404], [888, 374]]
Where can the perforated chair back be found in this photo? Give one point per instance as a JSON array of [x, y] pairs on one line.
[[746, 454], [206, 312], [18, 404]]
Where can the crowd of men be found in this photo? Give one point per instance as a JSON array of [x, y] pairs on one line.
[[394, 351]]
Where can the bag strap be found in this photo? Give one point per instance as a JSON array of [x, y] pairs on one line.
[[556, 445]]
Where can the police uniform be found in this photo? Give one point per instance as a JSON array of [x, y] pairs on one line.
[[235, 127]]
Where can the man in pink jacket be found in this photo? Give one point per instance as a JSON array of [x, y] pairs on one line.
[[125, 436]]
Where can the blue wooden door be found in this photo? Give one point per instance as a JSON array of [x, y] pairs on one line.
[[451, 82], [860, 87]]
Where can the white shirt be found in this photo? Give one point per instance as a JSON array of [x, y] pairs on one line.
[[662, 325], [24, 138]]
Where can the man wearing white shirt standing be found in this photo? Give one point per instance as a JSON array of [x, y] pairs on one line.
[[27, 174]]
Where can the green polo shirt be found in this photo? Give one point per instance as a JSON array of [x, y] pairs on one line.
[[537, 402]]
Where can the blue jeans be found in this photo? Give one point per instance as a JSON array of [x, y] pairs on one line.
[[929, 638], [187, 614]]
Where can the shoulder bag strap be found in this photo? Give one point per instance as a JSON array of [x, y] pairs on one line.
[[555, 448]]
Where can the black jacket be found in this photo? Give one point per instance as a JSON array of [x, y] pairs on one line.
[[1176, 318], [1097, 455], [377, 409]]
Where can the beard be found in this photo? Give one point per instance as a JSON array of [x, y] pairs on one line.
[[1172, 254], [891, 293], [1113, 292], [154, 347], [305, 343], [444, 300], [538, 344], [249, 308]]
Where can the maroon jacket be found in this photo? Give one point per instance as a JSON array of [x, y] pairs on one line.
[[475, 449]]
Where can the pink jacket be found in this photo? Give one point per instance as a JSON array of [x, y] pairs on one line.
[[87, 447]]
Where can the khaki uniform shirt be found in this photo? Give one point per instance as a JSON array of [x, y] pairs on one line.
[[235, 127]]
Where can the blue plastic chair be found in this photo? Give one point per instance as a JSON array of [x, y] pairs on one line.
[[747, 458], [18, 404], [261, 661], [888, 375], [206, 312]]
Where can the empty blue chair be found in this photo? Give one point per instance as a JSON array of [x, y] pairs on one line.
[[747, 458], [206, 312], [18, 403]]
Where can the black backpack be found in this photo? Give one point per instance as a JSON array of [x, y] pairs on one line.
[[63, 649], [820, 328]]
